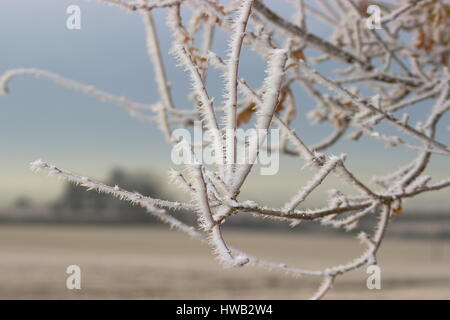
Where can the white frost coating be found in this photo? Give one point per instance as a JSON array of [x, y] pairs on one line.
[[154, 53], [272, 85], [208, 224], [133, 197], [265, 111], [231, 83], [134, 108], [38, 165], [313, 183]]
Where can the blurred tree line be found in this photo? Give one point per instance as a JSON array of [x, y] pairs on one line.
[[78, 204]]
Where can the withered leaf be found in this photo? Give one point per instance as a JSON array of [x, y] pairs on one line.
[[298, 55], [245, 115]]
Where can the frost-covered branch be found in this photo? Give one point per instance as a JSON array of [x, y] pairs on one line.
[[117, 191], [134, 108], [239, 26]]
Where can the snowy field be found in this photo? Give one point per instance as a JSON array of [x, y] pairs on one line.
[[150, 263]]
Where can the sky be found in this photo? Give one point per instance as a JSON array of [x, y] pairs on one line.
[[81, 134]]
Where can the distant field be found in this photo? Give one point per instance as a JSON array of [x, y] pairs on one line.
[[155, 263]]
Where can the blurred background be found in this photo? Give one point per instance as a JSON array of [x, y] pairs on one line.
[[47, 224]]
